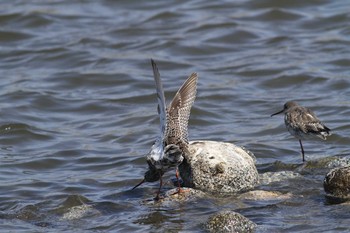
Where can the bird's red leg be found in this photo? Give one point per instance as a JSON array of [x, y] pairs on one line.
[[179, 189], [178, 181]]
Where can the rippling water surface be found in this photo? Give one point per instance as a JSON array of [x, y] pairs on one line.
[[78, 109]]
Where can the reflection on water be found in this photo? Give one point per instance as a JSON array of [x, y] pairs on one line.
[[78, 108]]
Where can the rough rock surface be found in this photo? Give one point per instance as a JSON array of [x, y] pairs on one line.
[[172, 197], [280, 176], [337, 184], [218, 167], [78, 212], [262, 195], [185, 195], [229, 221]]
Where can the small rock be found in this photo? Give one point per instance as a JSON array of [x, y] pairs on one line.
[[271, 177], [78, 212], [218, 167], [185, 195], [229, 221], [339, 162], [262, 195], [172, 197], [337, 184]]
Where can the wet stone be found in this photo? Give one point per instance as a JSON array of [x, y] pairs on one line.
[[270, 177], [29, 213], [337, 184], [185, 195], [262, 195], [339, 162], [81, 211], [229, 221], [218, 167], [172, 196]]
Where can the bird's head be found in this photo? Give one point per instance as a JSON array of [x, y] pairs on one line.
[[286, 107]]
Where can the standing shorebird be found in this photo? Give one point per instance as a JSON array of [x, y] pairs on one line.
[[302, 123], [169, 149]]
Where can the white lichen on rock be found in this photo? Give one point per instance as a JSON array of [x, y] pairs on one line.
[[218, 167]]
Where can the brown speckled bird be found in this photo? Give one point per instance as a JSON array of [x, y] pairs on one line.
[[302, 123], [169, 148]]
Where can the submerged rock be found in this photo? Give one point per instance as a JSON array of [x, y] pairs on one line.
[[75, 207], [262, 195], [337, 184], [280, 176], [185, 195], [172, 197], [229, 221], [78, 212], [218, 167], [339, 162]]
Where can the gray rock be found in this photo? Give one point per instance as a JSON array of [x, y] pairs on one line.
[[337, 184], [185, 195], [339, 162], [218, 167], [280, 176], [172, 197], [229, 221], [262, 195], [78, 212]]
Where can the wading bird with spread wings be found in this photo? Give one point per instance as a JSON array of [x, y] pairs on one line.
[[170, 147]]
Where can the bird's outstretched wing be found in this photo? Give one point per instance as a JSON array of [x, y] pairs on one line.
[[161, 100], [179, 111]]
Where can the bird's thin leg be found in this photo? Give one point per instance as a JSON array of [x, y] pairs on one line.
[[302, 150], [160, 186], [178, 181], [179, 189]]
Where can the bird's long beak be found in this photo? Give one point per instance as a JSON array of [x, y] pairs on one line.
[[278, 112], [142, 181]]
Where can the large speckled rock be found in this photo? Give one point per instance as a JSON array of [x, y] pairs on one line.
[[218, 167], [230, 222], [337, 184]]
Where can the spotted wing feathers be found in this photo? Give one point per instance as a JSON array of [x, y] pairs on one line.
[[179, 111]]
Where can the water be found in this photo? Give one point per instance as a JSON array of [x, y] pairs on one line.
[[78, 109]]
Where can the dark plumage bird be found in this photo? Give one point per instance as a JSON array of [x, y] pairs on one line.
[[302, 123], [169, 149]]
